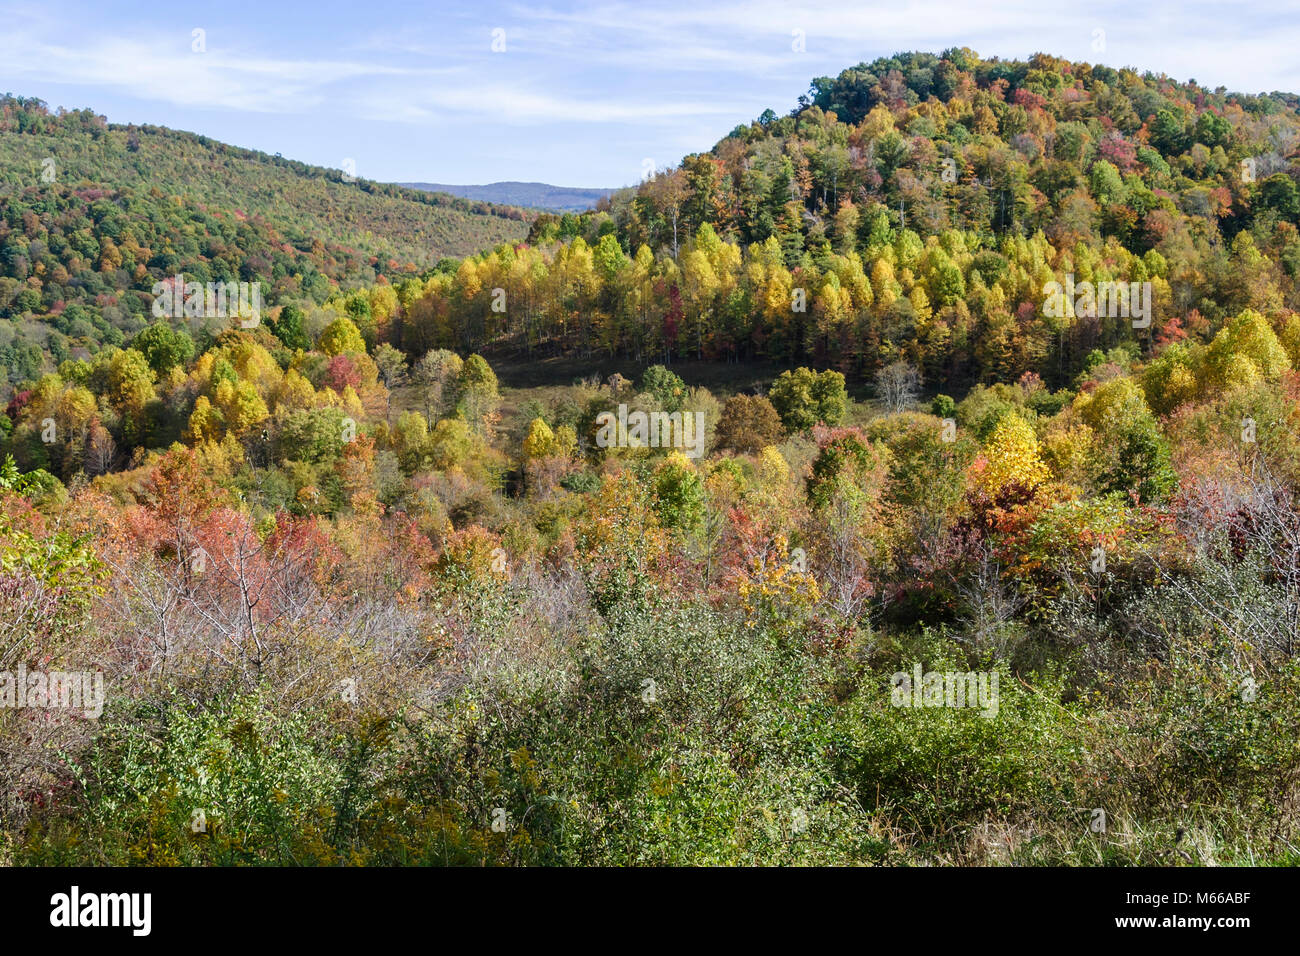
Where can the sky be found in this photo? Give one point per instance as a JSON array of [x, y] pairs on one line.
[[572, 93]]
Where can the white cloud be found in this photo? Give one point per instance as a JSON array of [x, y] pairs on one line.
[[1247, 48], [504, 103], [163, 67], [615, 77]]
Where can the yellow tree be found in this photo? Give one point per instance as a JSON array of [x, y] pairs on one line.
[[341, 336], [701, 284], [1011, 458]]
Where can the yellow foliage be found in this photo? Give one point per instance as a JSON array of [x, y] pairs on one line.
[[773, 470], [341, 336], [540, 440], [1066, 451], [774, 581], [206, 423], [1011, 458], [1245, 351], [350, 402], [566, 441], [294, 392], [240, 405]]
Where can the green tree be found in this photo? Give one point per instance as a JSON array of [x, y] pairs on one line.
[[478, 396], [164, 347], [668, 389], [803, 398], [437, 378], [288, 328], [1279, 193], [678, 493]]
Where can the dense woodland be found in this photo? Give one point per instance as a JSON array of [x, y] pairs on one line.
[[920, 205], [360, 600], [131, 205]]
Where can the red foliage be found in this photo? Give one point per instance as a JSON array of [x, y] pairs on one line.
[[1171, 331], [341, 373], [1029, 100], [1119, 152], [18, 403]]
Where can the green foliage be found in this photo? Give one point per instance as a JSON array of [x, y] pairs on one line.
[[937, 765], [669, 390], [233, 785], [678, 494], [477, 394], [803, 398], [984, 408], [637, 658], [845, 461], [164, 347], [132, 205], [288, 328], [450, 444], [1142, 464], [314, 436]]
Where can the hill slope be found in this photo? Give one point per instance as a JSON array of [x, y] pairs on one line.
[[532, 195], [92, 214], [916, 208], [934, 142]]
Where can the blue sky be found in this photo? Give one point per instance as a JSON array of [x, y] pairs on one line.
[[583, 94]]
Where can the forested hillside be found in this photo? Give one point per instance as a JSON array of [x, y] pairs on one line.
[[95, 213], [532, 195], [919, 205], [354, 600]]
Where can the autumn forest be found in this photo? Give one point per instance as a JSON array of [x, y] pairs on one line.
[[911, 477]]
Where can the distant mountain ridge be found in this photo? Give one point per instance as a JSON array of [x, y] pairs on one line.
[[532, 195]]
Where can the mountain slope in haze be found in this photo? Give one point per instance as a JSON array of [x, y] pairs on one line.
[[532, 195]]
